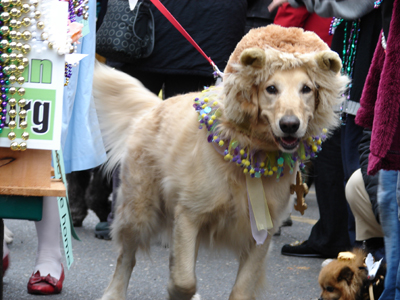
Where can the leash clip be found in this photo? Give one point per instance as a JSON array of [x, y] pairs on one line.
[[217, 72]]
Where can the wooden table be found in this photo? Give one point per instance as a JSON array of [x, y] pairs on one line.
[[25, 178]]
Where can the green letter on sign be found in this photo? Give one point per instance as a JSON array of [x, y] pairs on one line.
[[41, 69]]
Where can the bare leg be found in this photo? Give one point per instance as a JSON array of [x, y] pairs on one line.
[[251, 273], [182, 283]]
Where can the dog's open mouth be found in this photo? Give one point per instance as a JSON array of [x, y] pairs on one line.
[[288, 143]]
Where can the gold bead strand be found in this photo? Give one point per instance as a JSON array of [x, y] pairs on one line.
[[22, 116], [5, 47], [18, 20]]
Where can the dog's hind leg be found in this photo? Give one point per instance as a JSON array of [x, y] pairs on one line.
[[251, 272], [182, 282]]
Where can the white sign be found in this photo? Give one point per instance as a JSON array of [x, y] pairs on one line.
[[44, 85]]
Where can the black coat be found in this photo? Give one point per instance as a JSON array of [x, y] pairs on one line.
[[259, 9], [216, 25], [371, 182]]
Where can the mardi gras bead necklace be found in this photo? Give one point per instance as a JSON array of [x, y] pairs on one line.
[[350, 45], [255, 163], [15, 18], [334, 24], [22, 29], [78, 8], [377, 3]]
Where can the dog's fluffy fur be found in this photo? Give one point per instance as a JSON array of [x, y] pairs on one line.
[[171, 178], [348, 279]]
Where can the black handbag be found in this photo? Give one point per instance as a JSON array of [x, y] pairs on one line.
[[126, 35]]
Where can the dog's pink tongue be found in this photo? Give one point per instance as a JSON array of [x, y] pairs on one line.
[[289, 140]]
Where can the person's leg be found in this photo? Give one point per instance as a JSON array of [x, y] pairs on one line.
[[367, 226], [48, 275], [98, 192], [78, 182], [329, 235], [369, 234], [48, 257], [388, 210], [102, 229], [397, 296], [351, 136]]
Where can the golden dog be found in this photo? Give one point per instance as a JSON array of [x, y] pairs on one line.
[[278, 91]]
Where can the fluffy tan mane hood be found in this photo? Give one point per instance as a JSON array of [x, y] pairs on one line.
[[288, 40], [265, 50]]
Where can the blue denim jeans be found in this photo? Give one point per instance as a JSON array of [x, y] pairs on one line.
[[389, 200]]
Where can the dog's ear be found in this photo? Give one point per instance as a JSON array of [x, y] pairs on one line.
[[328, 60], [346, 274], [254, 57]]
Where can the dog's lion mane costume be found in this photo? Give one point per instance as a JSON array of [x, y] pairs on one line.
[[265, 50]]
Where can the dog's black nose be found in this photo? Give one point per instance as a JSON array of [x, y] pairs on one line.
[[289, 124]]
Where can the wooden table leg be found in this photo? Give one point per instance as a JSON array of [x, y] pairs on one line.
[[1, 255]]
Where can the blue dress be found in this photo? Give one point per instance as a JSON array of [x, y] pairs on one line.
[[81, 139]]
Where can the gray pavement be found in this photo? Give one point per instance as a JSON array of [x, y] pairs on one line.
[[288, 278]]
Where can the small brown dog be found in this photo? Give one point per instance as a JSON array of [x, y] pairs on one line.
[[346, 278]]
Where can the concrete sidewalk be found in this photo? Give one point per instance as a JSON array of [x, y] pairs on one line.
[[288, 278]]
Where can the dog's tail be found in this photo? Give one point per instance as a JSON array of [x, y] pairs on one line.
[[120, 100]]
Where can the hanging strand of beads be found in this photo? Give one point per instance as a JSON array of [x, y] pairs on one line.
[[15, 20], [350, 43], [334, 24], [77, 8]]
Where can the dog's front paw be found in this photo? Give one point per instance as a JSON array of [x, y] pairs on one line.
[[196, 297]]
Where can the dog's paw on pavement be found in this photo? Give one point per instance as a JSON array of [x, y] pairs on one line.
[[196, 297]]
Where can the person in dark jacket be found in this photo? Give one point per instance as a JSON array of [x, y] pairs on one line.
[[175, 65], [361, 194], [258, 14]]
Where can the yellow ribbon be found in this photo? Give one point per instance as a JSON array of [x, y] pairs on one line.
[[258, 201]]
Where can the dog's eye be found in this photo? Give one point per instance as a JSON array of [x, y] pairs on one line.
[[330, 289], [305, 89], [272, 90]]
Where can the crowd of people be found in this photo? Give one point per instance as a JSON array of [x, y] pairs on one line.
[[355, 175]]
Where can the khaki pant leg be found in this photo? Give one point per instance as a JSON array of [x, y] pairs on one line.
[[366, 225]]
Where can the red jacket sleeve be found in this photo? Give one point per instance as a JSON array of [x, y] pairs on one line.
[[287, 16]]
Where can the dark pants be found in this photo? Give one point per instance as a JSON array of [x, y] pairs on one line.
[[330, 234], [351, 136]]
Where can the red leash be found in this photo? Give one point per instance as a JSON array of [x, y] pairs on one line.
[[178, 26]]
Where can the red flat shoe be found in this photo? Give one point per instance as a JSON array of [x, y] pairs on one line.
[[45, 285], [6, 262]]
